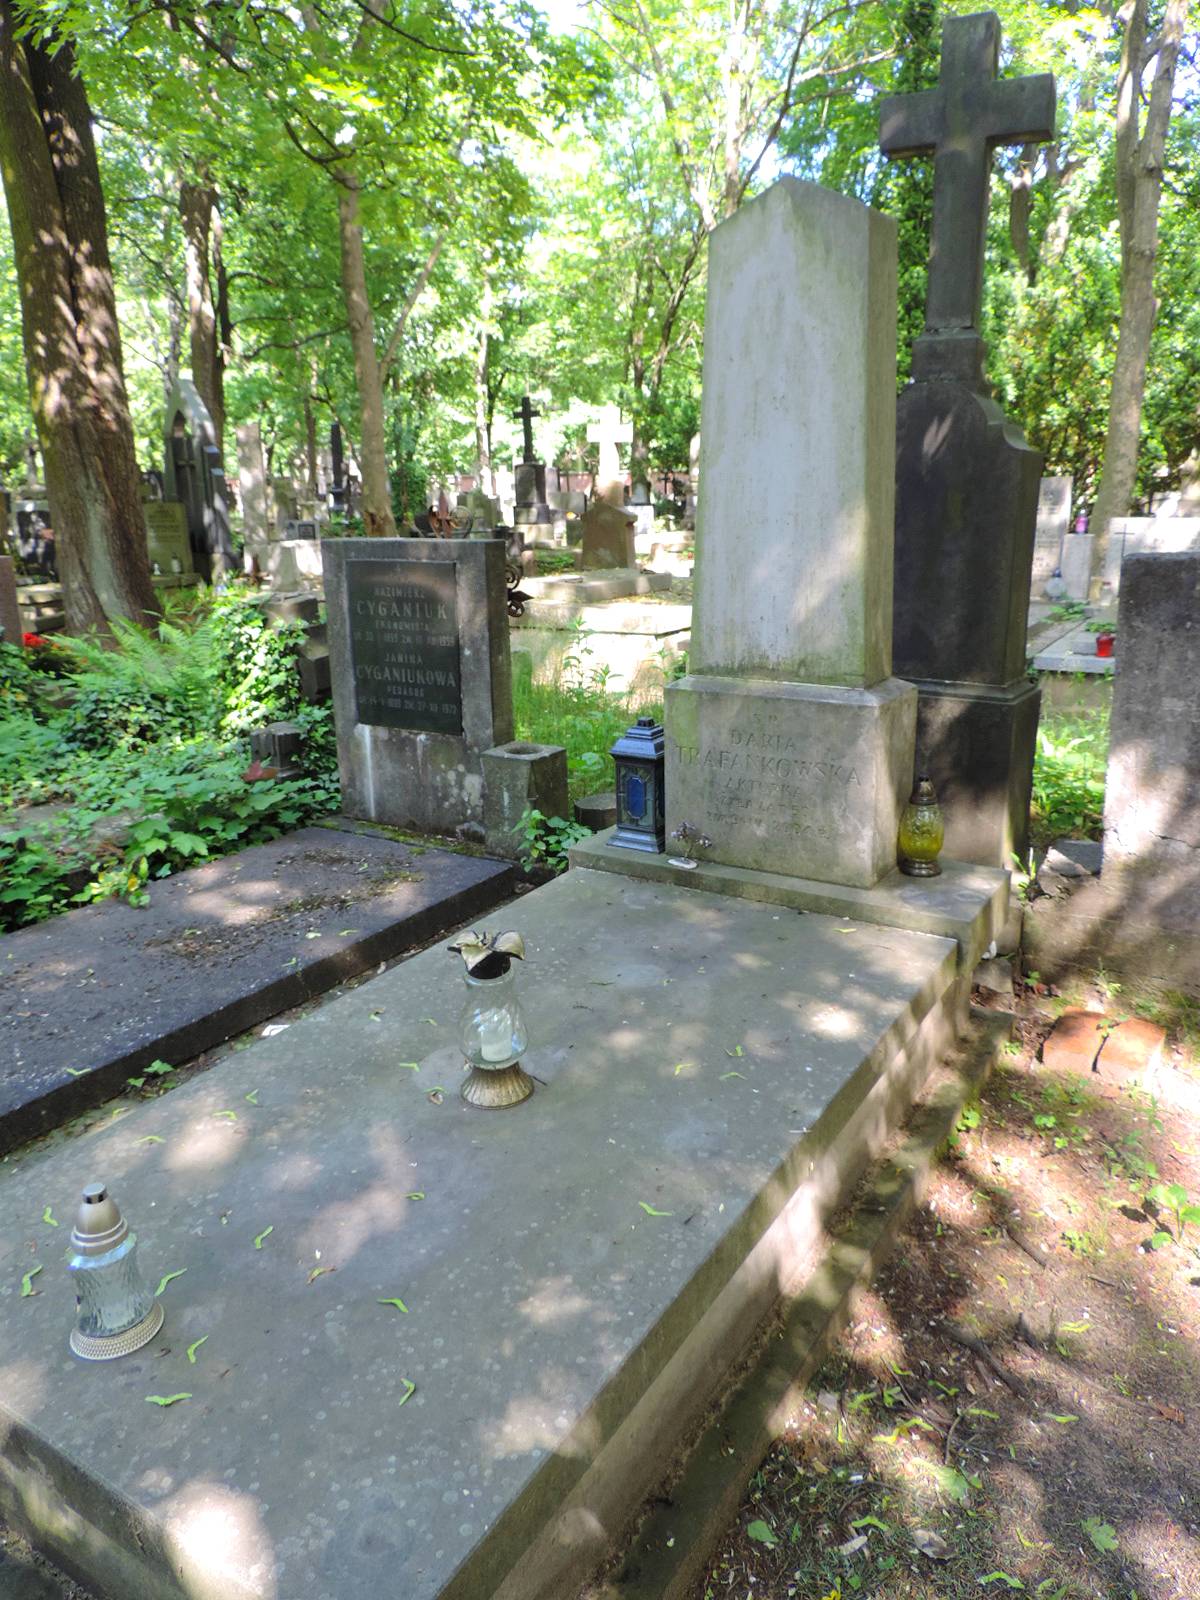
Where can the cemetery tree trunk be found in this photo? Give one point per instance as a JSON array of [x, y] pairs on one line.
[[376, 490], [197, 211], [72, 340], [1140, 154]]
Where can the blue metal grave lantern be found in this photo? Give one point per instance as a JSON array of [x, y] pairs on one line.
[[638, 756]]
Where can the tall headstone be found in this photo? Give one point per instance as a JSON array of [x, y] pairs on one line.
[[1053, 524], [966, 480], [531, 512], [194, 475], [608, 433], [790, 744], [422, 685], [252, 483], [1151, 819]]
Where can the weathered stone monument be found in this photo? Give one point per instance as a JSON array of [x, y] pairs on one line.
[[10, 615], [1053, 524], [194, 474], [252, 484], [609, 432], [790, 743], [966, 480], [607, 533], [532, 515], [418, 643]]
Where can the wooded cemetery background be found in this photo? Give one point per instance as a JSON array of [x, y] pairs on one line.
[[404, 214]]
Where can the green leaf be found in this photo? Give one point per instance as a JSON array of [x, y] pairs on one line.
[[169, 1278], [27, 1288], [230, 1116], [158, 1069], [77, 1072], [1160, 1238], [1102, 1534], [651, 1212], [48, 1218], [166, 1399], [1003, 1577], [761, 1533], [151, 1138], [409, 1390], [192, 1348], [252, 1097], [725, 1075], [417, 1194], [258, 1239], [1064, 1417], [411, 1065], [399, 1304], [872, 1522], [736, 1051]]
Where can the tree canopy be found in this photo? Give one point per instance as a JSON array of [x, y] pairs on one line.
[[530, 200]]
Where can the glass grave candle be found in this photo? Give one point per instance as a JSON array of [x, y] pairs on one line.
[[492, 1028], [116, 1313]]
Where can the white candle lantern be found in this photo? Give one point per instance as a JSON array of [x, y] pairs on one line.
[[115, 1311], [492, 1028]]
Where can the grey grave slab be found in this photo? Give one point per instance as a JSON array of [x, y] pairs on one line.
[[1073, 651], [92, 996], [699, 1056]]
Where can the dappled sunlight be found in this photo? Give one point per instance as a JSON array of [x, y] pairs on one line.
[[555, 1301], [538, 1423], [215, 1535], [204, 1145]]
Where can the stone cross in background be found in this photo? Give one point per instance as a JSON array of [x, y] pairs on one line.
[[961, 122], [608, 433], [966, 480], [525, 416]]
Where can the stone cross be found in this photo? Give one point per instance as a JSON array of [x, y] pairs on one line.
[[526, 415], [608, 433], [961, 121]]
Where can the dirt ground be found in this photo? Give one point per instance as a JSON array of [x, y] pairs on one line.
[[1016, 1405]]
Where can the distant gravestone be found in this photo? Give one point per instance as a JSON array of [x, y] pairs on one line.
[[419, 662], [608, 537], [252, 483], [10, 614], [1053, 524], [194, 475], [608, 433], [167, 542]]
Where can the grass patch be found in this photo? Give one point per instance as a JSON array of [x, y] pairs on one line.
[[1068, 776]]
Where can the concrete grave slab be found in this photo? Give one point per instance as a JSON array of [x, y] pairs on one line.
[[580, 1274], [92, 996]]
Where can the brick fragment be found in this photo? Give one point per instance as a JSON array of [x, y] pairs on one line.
[[1074, 1042], [1133, 1051]]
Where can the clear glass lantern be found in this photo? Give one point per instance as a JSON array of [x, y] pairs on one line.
[[491, 1026], [116, 1313]]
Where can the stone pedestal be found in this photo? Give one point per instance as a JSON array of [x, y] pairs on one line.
[[520, 777], [977, 744], [966, 507], [608, 537], [795, 778]]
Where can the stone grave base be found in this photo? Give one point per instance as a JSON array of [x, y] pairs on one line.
[[977, 744], [287, 563], [93, 996], [803, 779], [1073, 651], [637, 643], [579, 1276]]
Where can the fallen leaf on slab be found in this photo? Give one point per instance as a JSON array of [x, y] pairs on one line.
[[252, 1097], [27, 1288], [169, 1278], [399, 1304], [417, 1194], [166, 1399], [317, 1271], [192, 1348], [151, 1138], [409, 1390], [258, 1242], [651, 1212], [48, 1218]]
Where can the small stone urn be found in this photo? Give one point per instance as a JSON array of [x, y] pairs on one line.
[[491, 1026], [922, 832]]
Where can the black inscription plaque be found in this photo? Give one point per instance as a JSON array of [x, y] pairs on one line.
[[404, 644]]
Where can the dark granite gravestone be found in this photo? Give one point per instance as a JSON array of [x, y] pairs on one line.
[[530, 509], [966, 480], [421, 678], [195, 475]]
